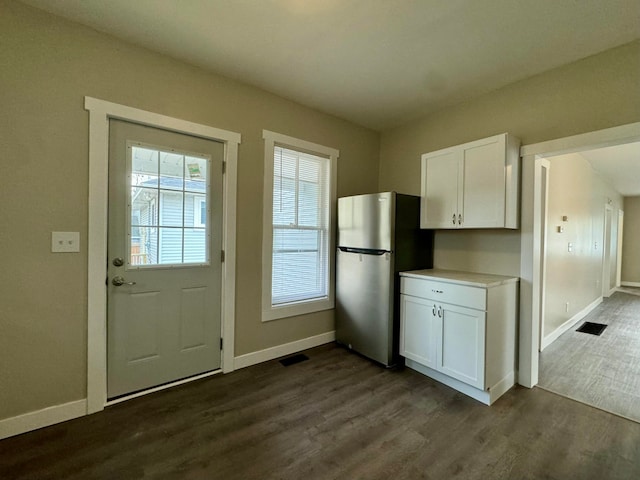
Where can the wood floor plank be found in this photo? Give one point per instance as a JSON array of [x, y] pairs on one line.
[[603, 371], [336, 416]]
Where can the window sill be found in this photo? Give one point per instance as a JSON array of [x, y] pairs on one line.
[[295, 309]]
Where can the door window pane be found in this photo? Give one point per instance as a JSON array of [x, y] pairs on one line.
[[144, 246], [168, 207], [196, 174], [194, 245], [144, 167], [171, 205], [144, 203], [171, 171], [198, 216], [170, 251]]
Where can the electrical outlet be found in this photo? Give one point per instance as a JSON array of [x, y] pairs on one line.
[[65, 242], [570, 247]]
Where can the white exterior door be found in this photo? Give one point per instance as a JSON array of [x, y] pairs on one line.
[[164, 257]]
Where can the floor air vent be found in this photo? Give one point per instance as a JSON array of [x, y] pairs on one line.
[[592, 328], [301, 357]]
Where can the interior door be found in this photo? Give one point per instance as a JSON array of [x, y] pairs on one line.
[[164, 254]]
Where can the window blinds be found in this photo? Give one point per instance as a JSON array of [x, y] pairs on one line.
[[300, 261]]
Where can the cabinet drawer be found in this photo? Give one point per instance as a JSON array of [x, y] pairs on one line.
[[463, 295]]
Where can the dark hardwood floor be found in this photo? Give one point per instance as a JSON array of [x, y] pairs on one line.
[[335, 416]]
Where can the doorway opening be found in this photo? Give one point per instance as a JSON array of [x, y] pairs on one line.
[[575, 265], [532, 288]]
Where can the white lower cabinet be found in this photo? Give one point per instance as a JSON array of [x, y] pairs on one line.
[[462, 344], [418, 338], [466, 341]]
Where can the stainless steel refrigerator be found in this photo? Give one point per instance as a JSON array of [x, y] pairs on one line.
[[379, 235]]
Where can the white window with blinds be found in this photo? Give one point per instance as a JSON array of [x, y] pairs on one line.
[[298, 230]]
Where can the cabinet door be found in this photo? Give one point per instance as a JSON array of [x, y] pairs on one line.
[[439, 207], [483, 183], [462, 349], [418, 330]]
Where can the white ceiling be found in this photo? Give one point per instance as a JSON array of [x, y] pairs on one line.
[[378, 63], [619, 165]]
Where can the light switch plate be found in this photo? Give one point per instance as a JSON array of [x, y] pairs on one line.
[[65, 242]]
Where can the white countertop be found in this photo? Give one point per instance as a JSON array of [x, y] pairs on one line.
[[485, 280]]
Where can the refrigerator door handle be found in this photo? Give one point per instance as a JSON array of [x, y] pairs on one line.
[[363, 251]]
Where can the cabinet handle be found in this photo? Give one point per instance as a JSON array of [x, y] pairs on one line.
[[459, 219], [440, 312], [454, 219], [434, 309]]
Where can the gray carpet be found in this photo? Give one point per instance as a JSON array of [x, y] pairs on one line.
[[602, 371]]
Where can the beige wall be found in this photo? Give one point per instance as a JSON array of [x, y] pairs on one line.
[[594, 93], [47, 66], [631, 241], [575, 191]]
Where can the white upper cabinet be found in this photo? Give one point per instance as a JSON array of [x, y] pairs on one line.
[[474, 185]]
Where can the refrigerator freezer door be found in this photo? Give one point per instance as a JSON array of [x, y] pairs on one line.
[[366, 221], [364, 304]]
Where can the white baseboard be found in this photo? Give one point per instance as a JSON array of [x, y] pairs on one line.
[[630, 284], [61, 413], [267, 354], [42, 418], [553, 336]]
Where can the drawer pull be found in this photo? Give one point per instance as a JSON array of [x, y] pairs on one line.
[[436, 291], [440, 312], [434, 309]]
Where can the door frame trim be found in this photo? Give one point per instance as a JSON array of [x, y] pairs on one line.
[[606, 252], [100, 112], [530, 286]]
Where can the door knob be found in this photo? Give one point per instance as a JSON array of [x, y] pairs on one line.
[[118, 281]]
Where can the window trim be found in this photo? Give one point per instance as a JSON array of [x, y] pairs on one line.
[[270, 312]]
